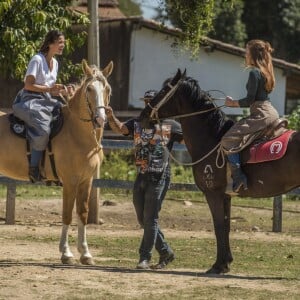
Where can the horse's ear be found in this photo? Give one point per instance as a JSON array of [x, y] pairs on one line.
[[86, 69], [108, 69], [176, 77], [184, 73]]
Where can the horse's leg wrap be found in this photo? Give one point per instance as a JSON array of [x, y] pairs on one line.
[[82, 246], [67, 256]]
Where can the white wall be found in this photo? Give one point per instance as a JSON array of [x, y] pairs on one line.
[[153, 60]]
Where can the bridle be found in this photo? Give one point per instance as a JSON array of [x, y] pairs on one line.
[[165, 99], [93, 113]]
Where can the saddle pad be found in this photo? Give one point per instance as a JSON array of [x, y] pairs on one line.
[[270, 150], [18, 126]]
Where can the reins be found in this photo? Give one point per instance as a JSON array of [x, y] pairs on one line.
[[167, 96], [220, 152]]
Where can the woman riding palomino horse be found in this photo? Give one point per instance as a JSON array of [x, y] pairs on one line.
[[204, 125], [260, 84], [35, 103], [77, 150]]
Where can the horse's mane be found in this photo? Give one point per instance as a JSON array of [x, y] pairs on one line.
[[201, 100]]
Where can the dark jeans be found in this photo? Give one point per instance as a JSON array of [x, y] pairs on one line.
[[148, 195]]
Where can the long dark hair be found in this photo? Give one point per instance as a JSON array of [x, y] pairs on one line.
[[50, 38]]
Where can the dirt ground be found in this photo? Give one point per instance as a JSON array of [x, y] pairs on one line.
[[32, 270]]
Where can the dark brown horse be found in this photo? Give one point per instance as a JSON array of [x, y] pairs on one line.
[[203, 126]]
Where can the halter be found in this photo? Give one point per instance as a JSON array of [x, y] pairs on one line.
[[167, 97], [93, 114]]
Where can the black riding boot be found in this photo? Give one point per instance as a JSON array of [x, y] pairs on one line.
[[238, 176], [34, 174]]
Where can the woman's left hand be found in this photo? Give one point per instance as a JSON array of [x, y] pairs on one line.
[[57, 89], [230, 102]]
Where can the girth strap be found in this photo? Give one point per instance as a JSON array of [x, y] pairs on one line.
[[28, 153], [52, 161]]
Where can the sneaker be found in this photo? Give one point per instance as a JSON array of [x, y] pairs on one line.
[[143, 265], [163, 261]]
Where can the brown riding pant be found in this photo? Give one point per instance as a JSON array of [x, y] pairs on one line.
[[245, 131]]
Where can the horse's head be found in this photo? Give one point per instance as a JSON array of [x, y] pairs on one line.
[[96, 92], [152, 111]]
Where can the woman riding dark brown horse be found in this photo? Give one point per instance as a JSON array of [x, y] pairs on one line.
[[203, 126], [261, 82]]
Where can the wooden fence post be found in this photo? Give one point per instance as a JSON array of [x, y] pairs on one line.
[[277, 214], [10, 202]]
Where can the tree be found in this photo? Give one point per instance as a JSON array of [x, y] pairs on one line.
[[195, 18], [236, 22], [23, 25], [279, 24], [130, 8], [293, 118], [227, 23]]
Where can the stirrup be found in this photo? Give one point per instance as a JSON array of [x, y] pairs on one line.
[[35, 174], [236, 186], [236, 189]]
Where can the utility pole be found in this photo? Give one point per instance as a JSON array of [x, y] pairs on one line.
[[93, 33], [94, 59]]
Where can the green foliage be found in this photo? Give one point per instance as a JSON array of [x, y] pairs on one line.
[[236, 22], [23, 25], [227, 24], [279, 24], [195, 19], [129, 8], [120, 165], [29, 191], [294, 120]]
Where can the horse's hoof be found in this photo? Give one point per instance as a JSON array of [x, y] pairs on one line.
[[87, 260], [67, 260], [214, 270]]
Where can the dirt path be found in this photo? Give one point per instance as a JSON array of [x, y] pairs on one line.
[[31, 269]]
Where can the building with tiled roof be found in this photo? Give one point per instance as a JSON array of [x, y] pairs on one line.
[[108, 9]]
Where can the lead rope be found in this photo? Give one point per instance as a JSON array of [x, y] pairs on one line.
[[218, 147], [202, 158], [220, 156]]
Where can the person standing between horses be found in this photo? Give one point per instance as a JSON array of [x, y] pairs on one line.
[[260, 84], [153, 178], [35, 103]]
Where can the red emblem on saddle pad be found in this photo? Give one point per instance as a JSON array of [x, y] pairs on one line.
[[270, 150]]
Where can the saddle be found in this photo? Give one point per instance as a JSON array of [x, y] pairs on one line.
[[18, 127], [271, 146]]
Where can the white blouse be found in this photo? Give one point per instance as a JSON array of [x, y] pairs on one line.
[[39, 69]]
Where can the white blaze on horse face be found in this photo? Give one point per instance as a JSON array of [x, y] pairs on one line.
[[100, 111]]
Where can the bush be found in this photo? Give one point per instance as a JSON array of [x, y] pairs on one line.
[[294, 120]]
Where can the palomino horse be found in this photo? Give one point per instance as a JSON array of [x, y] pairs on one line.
[[77, 151], [203, 125]]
